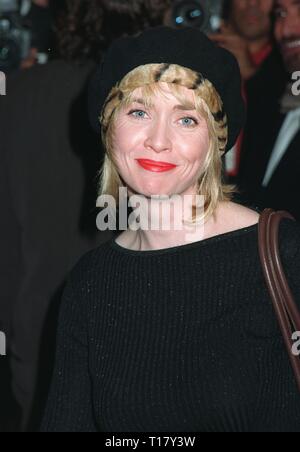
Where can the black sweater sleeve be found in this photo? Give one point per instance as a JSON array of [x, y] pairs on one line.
[[69, 407]]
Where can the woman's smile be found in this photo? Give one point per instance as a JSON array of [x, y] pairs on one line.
[[155, 166]]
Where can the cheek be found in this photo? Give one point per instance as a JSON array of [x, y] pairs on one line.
[[194, 147], [278, 30], [126, 138], [267, 6]]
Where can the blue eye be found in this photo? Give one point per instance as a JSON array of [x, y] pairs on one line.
[[189, 122], [140, 114]]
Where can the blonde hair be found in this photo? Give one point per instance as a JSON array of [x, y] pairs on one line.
[[207, 102]]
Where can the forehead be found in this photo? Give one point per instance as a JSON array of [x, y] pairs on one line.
[[162, 92]]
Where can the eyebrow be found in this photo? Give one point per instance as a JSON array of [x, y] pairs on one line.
[[186, 107]]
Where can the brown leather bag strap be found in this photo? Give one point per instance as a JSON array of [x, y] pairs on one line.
[[286, 310]]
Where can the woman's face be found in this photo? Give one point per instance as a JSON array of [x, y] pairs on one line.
[[167, 132]]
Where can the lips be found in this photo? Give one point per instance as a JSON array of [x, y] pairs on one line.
[[155, 166], [252, 19], [291, 47]]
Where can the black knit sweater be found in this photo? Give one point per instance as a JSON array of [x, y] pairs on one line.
[[176, 340]]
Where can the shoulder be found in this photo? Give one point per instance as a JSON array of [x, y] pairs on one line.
[[245, 215], [93, 258], [289, 230], [91, 265], [236, 216], [84, 279], [289, 238]]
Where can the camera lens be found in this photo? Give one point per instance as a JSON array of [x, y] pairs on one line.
[[190, 14]]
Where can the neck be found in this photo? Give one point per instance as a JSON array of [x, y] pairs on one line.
[[164, 230], [259, 44], [154, 240]]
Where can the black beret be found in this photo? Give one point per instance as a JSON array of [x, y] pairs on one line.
[[187, 47]]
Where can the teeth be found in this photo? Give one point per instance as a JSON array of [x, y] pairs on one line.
[[292, 45]]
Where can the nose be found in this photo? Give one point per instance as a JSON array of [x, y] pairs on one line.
[[252, 3], [158, 138]]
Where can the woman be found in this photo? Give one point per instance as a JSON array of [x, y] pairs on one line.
[[158, 332]]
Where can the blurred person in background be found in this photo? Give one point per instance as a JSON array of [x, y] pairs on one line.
[[49, 162], [26, 33], [40, 21], [270, 169], [247, 32]]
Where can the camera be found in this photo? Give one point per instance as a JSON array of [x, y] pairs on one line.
[[203, 14], [15, 38]]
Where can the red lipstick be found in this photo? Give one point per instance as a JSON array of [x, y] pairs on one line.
[[154, 166]]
